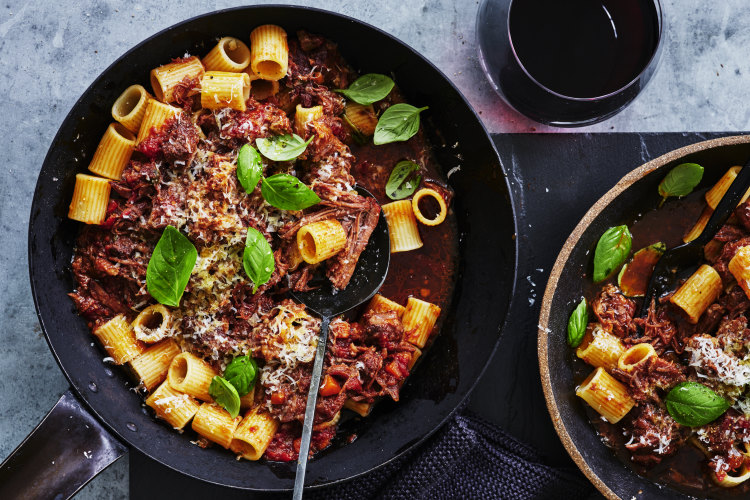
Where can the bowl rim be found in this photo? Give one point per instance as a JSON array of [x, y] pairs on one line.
[[543, 331]]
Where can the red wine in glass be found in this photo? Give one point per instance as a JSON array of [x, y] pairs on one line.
[[569, 62]]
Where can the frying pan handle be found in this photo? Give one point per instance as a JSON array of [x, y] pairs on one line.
[[63, 453]]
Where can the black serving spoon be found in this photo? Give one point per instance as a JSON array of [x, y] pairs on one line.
[[328, 302], [680, 262]]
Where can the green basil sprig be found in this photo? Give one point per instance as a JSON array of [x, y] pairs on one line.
[[400, 122], [403, 180], [693, 404], [368, 89], [282, 147], [170, 266], [286, 192], [241, 373], [249, 167], [225, 395], [681, 180], [611, 251], [283, 191], [257, 259], [579, 318]]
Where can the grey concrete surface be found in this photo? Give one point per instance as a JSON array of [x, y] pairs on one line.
[[51, 51]]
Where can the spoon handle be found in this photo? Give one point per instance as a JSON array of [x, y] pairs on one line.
[[312, 398]]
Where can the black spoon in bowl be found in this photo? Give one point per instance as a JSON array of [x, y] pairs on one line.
[[368, 277], [680, 262]]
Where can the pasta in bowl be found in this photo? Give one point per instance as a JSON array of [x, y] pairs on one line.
[[664, 391]]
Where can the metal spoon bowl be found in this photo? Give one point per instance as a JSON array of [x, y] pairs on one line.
[[368, 277]]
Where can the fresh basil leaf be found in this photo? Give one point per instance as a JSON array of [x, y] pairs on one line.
[[169, 268], [286, 192], [282, 147], [402, 182], [579, 318], [257, 260], [693, 404], [611, 251], [241, 374], [249, 167], [398, 123], [368, 89], [681, 180], [225, 395]]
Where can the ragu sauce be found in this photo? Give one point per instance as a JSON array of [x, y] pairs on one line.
[[427, 273], [685, 470]]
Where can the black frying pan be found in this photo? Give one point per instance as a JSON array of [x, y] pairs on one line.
[[451, 367]]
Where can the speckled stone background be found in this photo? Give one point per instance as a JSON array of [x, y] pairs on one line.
[[51, 51]]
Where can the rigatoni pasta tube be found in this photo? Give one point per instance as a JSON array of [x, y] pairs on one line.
[[717, 192], [361, 408], [175, 407], [304, 116], [261, 89], [414, 357], [153, 324], [402, 226], [600, 348], [130, 107], [215, 424], [419, 320], [156, 115], [248, 400], [320, 240], [606, 395], [230, 54], [269, 53], [698, 292], [90, 199], [732, 479], [165, 79], [118, 339], [699, 226], [381, 304], [440, 217], [254, 434], [361, 118], [113, 152], [191, 375], [739, 266], [222, 89], [152, 365], [635, 357]]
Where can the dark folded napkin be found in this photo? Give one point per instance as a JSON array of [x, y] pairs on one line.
[[468, 458]]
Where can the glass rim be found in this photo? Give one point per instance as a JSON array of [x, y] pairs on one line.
[[660, 16]]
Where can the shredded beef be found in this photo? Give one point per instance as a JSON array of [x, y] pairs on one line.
[[722, 438], [654, 435], [615, 311], [658, 330], [654, 374]]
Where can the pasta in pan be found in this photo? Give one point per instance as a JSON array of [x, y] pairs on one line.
[[223, 186]]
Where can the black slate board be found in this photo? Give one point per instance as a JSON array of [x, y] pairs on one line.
[[554, 178]]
